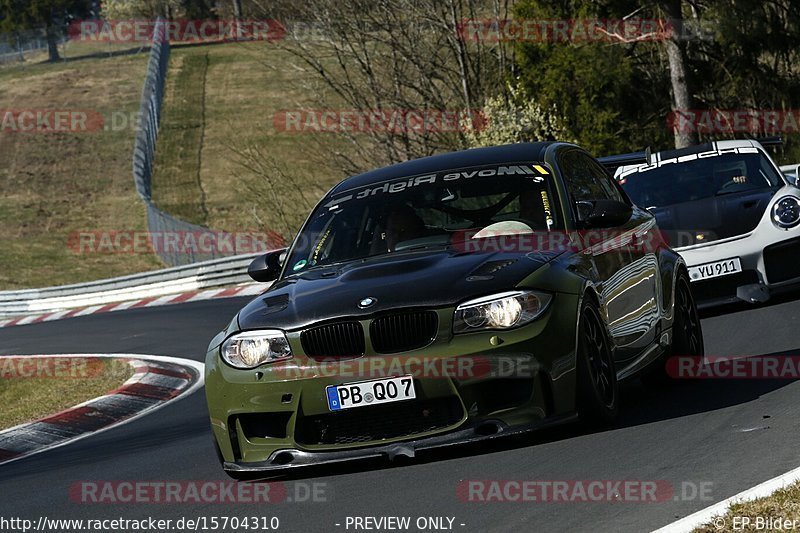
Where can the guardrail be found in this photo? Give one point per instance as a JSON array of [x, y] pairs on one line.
[[144, 153], [215, 273]]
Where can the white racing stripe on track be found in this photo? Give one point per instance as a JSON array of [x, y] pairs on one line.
[[702, 516], [56, 315], [160, 380], [249, 289], [162, 300], [205, 295], [137, 377], [125, 305], [87, 311]]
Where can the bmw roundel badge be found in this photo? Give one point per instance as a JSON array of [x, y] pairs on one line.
[[367, 302]]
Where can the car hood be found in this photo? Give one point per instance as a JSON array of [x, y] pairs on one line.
[[712, 219], [415, 279]]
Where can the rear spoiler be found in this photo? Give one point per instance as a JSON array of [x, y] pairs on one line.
[[776, 140], [612, 162]]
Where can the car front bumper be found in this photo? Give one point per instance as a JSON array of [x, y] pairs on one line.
[[769, 266], [281, 461], [469, 388]]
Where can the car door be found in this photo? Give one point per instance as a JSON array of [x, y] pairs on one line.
[[625, 271]]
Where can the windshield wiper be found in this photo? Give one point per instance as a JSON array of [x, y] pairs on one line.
[[417, 247]]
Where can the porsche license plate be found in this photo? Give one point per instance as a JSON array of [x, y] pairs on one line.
[[716, 269], [372, 392]]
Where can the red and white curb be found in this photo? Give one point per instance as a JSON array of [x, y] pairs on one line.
[[156, 381], [715, 512], [153, 301]]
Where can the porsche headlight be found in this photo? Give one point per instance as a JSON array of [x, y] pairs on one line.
[[500, 311], [250, 349], [786, 212]]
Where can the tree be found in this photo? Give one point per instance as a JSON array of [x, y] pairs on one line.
[[149, 9], [514, 118], [605, 105], [681, 93], [396, 55], [719, 54], [52, 15]]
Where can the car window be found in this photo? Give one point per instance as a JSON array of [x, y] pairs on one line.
[[427, 211], [586, 179], [606, 181], [716, 174]]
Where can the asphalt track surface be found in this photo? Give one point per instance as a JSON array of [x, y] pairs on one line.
[[733, 434]]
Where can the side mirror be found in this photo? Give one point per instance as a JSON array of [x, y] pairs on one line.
[[791, 173], [267, 267], [604, 213]]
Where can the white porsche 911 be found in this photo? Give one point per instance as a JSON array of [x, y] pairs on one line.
[[728, 209]]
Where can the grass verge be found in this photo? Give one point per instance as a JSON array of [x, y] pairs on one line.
[[770, 513], [220, 100], [32, 388], [53, 185]]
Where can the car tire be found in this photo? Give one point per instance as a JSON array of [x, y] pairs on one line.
[[598, 390], [687, 334]]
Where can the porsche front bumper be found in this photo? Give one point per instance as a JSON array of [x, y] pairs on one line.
[[769, 265]]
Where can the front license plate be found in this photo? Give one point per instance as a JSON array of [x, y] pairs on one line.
[[716, 269], [372, 392]]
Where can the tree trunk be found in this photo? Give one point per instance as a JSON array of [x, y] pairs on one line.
[[681, 95], [237, 9], [52, 44]]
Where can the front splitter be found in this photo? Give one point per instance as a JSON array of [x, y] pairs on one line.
[[292, 459]]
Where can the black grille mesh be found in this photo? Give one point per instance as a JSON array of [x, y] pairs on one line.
[[333, 341], [780, 261], [403, 331], [374, 423]]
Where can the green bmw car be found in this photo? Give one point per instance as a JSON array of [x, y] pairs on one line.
[[448, 300]]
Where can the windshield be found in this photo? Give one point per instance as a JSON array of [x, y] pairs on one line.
[[427, 211], [709, 174]]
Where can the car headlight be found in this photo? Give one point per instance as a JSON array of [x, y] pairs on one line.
[[500, 311], [250, 349], [786, 212]]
